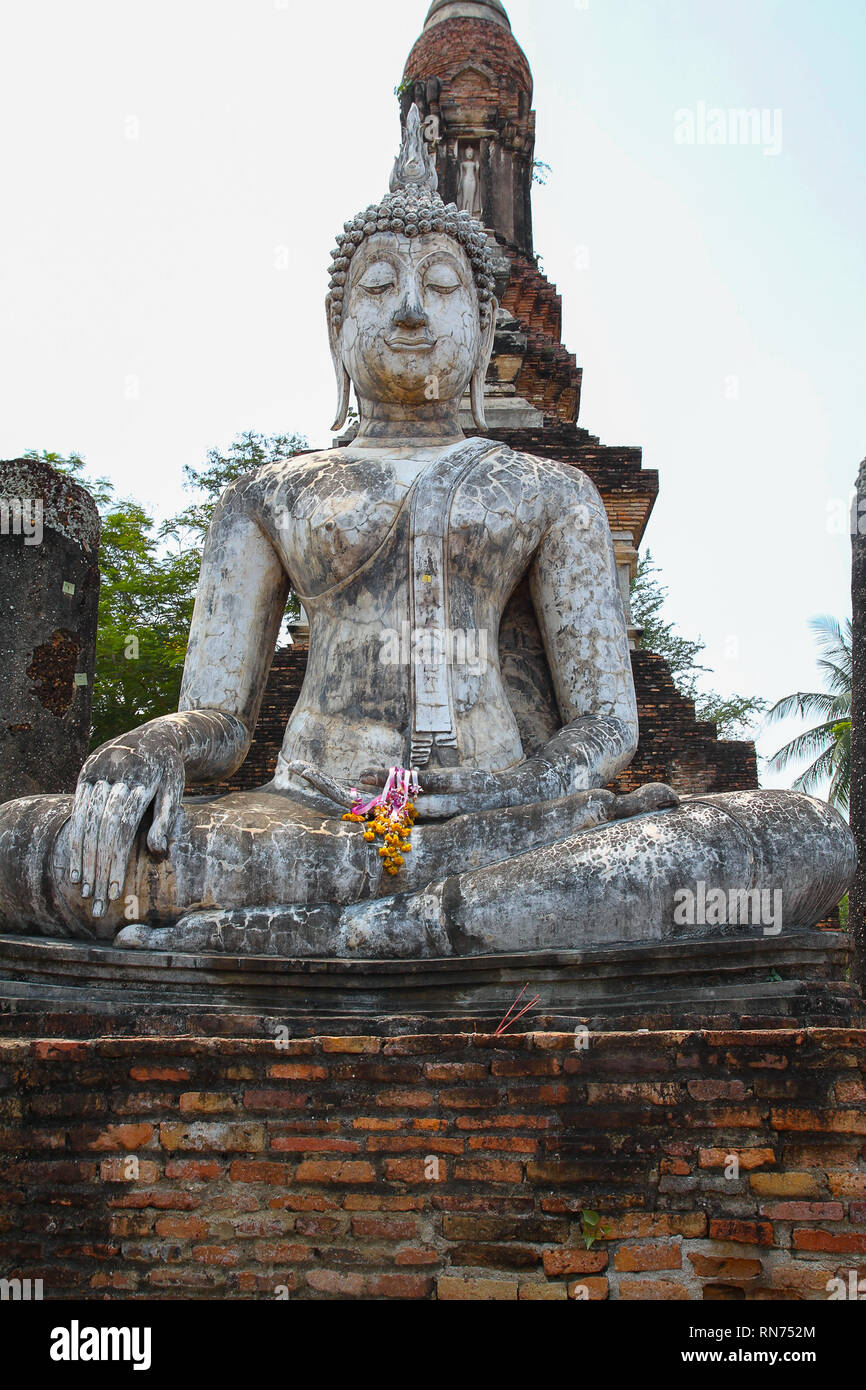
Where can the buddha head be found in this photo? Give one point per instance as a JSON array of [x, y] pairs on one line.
[[411, 307]]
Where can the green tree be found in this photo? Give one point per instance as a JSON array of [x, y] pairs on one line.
[[827, 743], [148, 580], [733, 715]]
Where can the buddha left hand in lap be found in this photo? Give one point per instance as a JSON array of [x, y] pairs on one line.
[[406, 548]]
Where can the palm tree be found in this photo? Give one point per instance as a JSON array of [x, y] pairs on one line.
[[828, 743]]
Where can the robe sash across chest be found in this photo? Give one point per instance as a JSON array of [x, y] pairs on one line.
[[433, 721]]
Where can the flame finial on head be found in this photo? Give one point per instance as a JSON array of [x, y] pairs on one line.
[[414, 165], [412, 208]]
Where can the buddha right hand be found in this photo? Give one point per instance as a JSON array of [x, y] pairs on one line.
[[116, 786]]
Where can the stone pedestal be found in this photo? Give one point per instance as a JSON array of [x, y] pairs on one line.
[[49, 582], [747, 980]]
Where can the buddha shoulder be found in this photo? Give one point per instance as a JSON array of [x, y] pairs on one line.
[[562, 488]]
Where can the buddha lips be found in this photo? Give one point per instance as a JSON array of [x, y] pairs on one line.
[[390, 817]]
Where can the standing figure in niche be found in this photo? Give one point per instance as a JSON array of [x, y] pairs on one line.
[[469, 187]]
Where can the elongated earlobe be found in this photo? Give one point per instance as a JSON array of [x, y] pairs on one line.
[[344, 387], [344, 384], [480, 374], [478, 381]]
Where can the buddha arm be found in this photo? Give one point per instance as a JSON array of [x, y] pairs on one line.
[[576, 595], [577, 599], [239, 607]]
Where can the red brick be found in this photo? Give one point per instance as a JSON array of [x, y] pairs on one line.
[[748, 1159], [219, 1255], [414, 1170], [271, 1174], [194, 1170], [379, 1228], [850, 1092], [281, 1252], [651, 1290], [297, 1071], [275, 1102], [414, 1143], [717, 1090], [635, 1259], [675, 1167], [503, 1143], [836, 1242], [526, 1066], [200, 1136], [742, 1232], [405, 1100], [826, 1121], [126, 1137], [200, 1103], [296, 1143], [560, 1262], [405, 1286], [488, 1170], [117, 1170], [589, 1290], [357, 1046], [726, 1270], [785, 1185], [847, 1184], [336, 1282], [455, 1071], [804, 1211], [181, 1227], [160, 1074], [321, 1171], [419, 1257], [540, 1095], [451, 1288]]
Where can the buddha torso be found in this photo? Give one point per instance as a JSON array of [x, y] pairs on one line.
[[341, 523]]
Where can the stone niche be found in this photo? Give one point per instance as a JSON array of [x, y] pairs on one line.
[[49, 592]]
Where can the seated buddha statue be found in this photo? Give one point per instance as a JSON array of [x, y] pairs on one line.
[[466, 623]]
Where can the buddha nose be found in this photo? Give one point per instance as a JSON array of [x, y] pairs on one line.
[[410, 314]]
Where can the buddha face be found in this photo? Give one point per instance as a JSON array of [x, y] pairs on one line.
[[411, 332]]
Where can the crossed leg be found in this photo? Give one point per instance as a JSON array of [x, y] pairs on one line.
[[594, 886], [252, 850]]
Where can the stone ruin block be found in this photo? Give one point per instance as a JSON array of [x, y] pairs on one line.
[[49, 591]]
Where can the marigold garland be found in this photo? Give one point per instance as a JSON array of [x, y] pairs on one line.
[[390, 817]]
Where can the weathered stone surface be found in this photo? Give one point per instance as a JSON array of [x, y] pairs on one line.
[[49, 590], [651, 985], [409, 537]]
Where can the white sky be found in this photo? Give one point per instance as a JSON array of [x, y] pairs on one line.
[[162, 161]]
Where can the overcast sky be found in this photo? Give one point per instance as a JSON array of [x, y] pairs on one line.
[[175, 171]]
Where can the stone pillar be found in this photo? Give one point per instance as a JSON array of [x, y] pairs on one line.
[[627, 559], [49, 590], [857, 919]]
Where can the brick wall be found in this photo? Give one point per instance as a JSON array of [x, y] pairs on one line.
[[450, 1167]]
